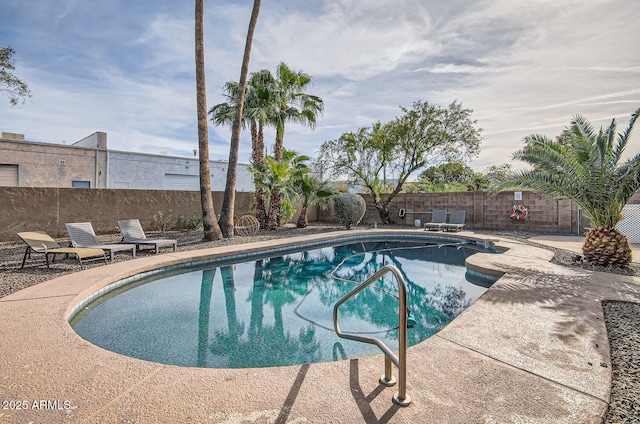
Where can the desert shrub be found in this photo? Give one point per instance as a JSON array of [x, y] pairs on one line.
[[350, 208], [163, 222], [194, 222]]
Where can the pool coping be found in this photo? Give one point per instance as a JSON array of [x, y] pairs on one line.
[[532, 348]]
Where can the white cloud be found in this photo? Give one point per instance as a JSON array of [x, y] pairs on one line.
[[127, 68]]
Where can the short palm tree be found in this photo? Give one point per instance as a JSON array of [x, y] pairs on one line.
[[585, 166], [311, 190], [279, 180]]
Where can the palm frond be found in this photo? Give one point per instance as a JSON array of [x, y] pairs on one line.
[[583, 165]]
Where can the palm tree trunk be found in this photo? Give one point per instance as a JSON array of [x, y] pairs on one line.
[[302, 219], [206, 289], [277, 147], [257, 155], [228, 203], [274, 210], [211, 228]]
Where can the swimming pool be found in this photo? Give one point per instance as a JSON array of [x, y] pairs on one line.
[[275, 310]]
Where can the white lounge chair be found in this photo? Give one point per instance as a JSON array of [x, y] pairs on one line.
[[438, 217], [82, 235], [456, 221], [133, 233]]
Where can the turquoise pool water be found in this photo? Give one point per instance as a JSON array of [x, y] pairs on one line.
[[275, 311]]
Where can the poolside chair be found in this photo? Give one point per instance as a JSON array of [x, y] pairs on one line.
[[133, 233], [82, 235], [41, 242], [456, 221], [438, 217]]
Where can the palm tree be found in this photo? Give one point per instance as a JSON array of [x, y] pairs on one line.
[[211, 228], [290, 103], [279, 179], [311, 190], [228, 202], [254, 113], [585, 166]]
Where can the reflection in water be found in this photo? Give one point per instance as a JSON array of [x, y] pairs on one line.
[[278, 311]]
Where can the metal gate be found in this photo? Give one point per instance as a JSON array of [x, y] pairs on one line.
[[630, 225]]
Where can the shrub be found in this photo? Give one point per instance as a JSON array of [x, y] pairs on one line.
[[162, 222], [350, 208], [194, 222], [287, 211]]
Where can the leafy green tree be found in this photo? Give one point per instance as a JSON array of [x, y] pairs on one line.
[[10, 85], [228, 202], [586, 166], [210, 224], [311, 190], [484, 180], [447, 173], [423, 135]]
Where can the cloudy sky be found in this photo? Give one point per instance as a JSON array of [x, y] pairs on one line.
[[127, 67]]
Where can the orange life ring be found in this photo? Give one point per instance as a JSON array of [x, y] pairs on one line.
[[518, 212]]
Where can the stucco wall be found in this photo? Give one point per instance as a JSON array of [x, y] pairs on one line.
[[39, 164], [56, 165], [48, 209]]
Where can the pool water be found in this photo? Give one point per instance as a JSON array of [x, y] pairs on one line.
[[278, 311]]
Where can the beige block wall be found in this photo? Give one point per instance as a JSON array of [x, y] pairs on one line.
[[483, 211], [48, 209]]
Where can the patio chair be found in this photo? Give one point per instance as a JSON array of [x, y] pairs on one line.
[[82, 235], [133, 233], [438, 217], [456, 221], [41, 242]]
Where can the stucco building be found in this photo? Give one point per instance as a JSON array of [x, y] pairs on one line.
[[89, 163]]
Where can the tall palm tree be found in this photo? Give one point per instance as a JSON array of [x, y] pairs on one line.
[[228, 202], [585, 166], [290, 103], [211, 228], [311, 190], [255, 114]]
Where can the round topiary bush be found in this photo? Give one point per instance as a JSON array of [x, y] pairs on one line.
[[350, 208]]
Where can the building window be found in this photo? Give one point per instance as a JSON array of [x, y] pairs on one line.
[[81, 184], [9, 175]]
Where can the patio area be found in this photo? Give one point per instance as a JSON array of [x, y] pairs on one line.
[[533, 348]]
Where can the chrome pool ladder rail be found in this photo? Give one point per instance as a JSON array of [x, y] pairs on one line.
[[401, 397]]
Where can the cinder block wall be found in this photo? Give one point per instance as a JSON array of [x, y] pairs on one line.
[[484, 211], [48, 209]]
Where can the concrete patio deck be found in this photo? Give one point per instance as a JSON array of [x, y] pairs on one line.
[[532, 349]]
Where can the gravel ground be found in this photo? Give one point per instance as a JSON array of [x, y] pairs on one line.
[[622, 318]]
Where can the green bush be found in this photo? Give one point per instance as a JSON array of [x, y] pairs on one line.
[[287, 211], [194, 222], [350, 208]]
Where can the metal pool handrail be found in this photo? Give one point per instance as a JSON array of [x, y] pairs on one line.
[[401, 397]]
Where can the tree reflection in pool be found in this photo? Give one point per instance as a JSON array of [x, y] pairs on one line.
[[278, 311]]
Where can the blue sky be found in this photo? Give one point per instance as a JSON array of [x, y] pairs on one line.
[[127, 67]]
